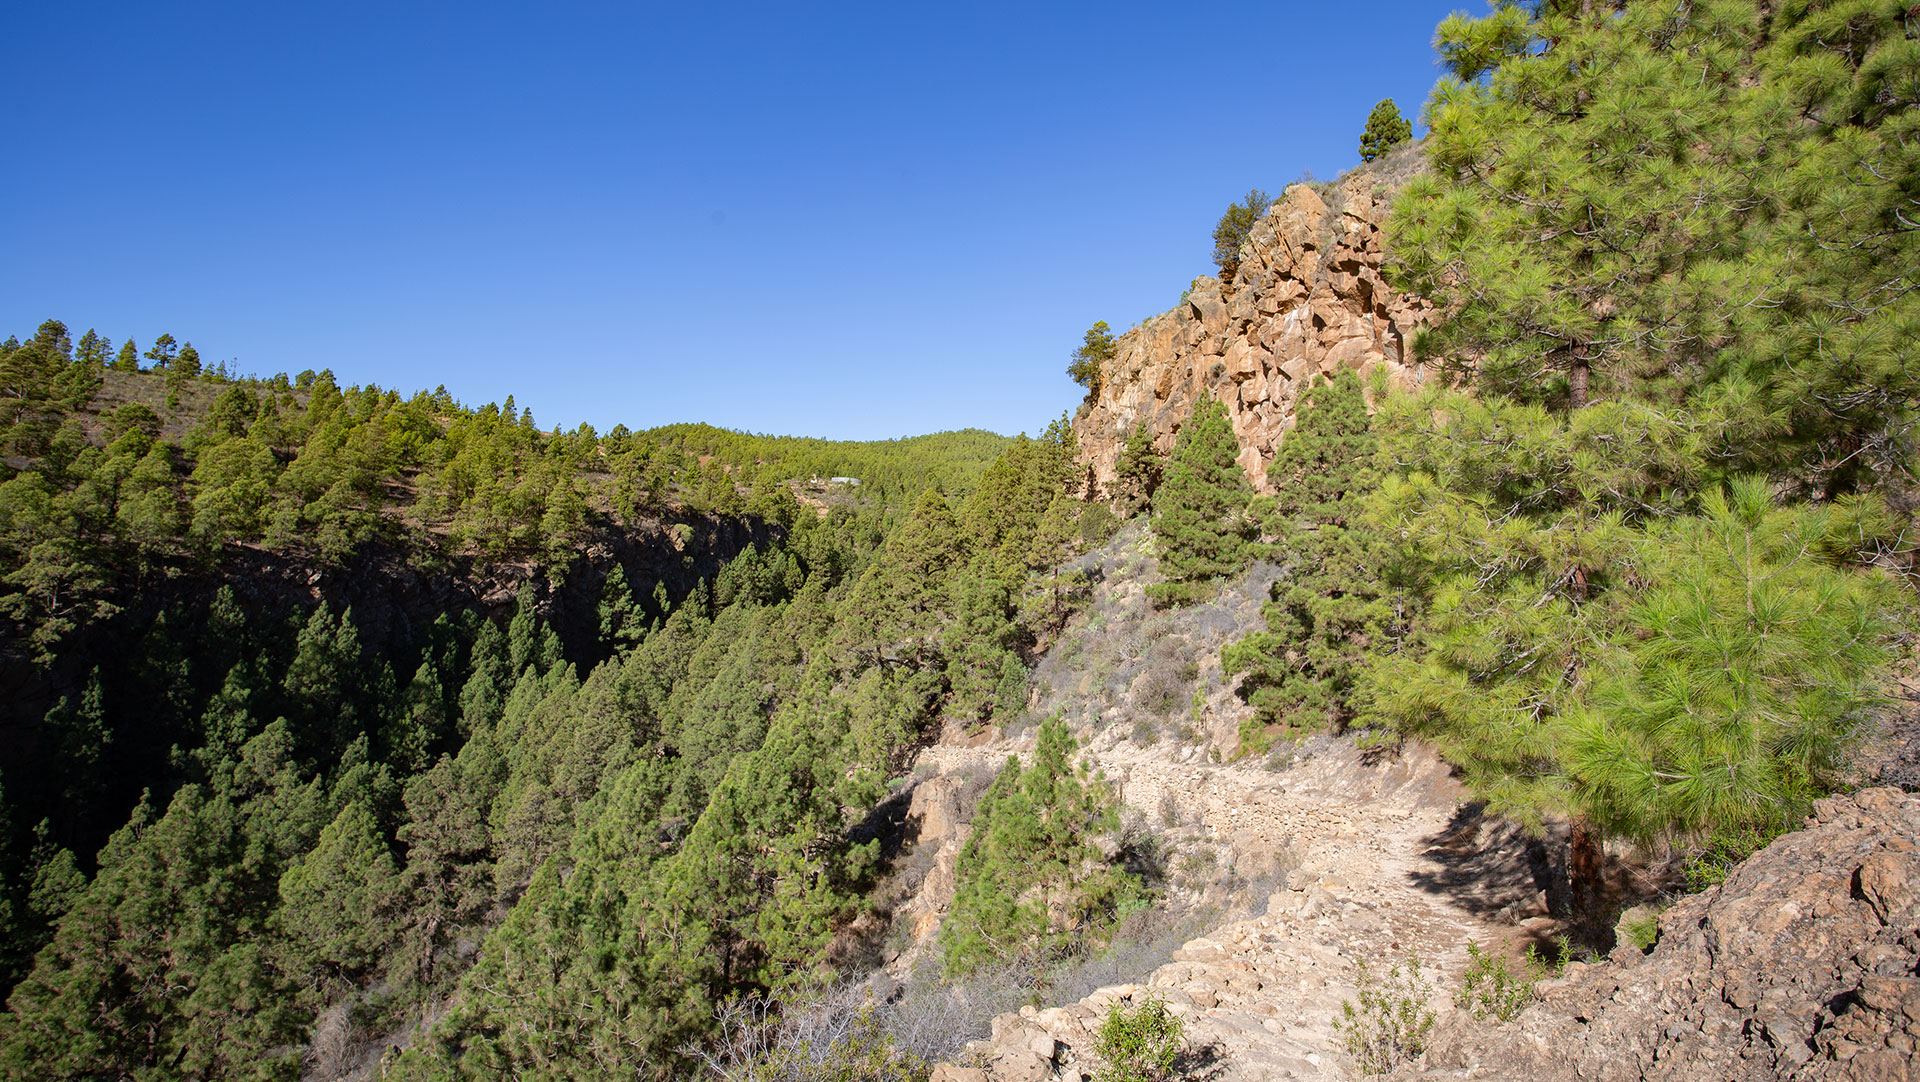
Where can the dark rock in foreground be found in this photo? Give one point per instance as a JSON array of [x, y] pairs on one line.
[[1804, 964]]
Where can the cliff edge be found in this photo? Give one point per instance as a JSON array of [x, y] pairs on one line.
[[1307, 300]]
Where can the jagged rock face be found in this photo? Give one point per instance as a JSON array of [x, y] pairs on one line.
[[1307, 301], [1804, 964]]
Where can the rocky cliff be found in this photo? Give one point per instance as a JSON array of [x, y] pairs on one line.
[[1307, 301]]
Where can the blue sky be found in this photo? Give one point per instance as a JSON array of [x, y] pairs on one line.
[[841, 220]]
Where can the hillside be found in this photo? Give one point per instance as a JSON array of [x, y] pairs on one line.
[[234, 603], [1461, 640]]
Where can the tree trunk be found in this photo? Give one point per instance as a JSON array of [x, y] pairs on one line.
[[1584, 865], [1577, 377]]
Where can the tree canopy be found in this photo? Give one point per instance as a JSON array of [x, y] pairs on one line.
[[1670, 262], [341, 816], [1385, 129], [1093, 354], [1233, 228], [1332, 611], [1200, 524]]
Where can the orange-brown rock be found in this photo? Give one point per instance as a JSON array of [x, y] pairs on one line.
[[1307, 301], [1804, 964]]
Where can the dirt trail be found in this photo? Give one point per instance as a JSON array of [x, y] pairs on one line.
[[1379, 850]]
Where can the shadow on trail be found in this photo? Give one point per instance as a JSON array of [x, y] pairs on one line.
[[1202, 1064], [1491, 867]]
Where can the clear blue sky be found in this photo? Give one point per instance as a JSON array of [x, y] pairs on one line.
[[843, 220]]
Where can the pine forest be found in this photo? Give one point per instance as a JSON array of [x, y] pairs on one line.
[[356, 732]]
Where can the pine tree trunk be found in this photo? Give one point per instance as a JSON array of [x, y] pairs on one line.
[[1577, 377], [1584, 863]]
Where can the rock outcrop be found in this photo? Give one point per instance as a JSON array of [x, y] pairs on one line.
[[1307, 301], [1804, 964], [1346, 849]]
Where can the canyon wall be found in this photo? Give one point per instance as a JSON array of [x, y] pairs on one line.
[[1307, 301]]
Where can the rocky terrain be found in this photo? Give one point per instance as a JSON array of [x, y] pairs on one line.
[[1352, 851], [1804, 964], [1801, 965], [1307, 299]]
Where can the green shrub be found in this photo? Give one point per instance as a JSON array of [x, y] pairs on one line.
[[1640, 927], [1255, 738], [1491, 988], [1098, 524], [1233, 229], [1391, 1021], [1723, 850], [1139, 1045]]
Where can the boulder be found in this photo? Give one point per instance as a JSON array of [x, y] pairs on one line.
[[1803, 964]]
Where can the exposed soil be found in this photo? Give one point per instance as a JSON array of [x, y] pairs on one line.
[[1374, 844]]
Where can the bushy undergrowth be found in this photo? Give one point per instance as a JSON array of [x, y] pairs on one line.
[[1388, 1022], [1493, 988], [1123, 659], [1721, 853], [839, 1037], [1639, 927], [932, 1019], [1140, 1043]]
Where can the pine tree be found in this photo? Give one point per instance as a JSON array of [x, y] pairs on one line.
[[1054, 537], [186, 365], [57, 883], [93, 350], [523, 634], [128, 359], [981, 639], [1634, 229], [1331, 610], [482, 697], [1030, 878], [622, 624], [1546, 226], [1630, 201], [333, 922], [1752, 664], [1137, 474], [53, 337], [1200, 523], [903, 600], [448, 875], [157, 968], [1091, 357], [1516, 530], [1235, 225], [81, 736], [322, 679], [1386, 129], [162, 352], [418, 721]]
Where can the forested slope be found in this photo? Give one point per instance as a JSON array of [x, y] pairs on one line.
[[379, 733], [375, 661]]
